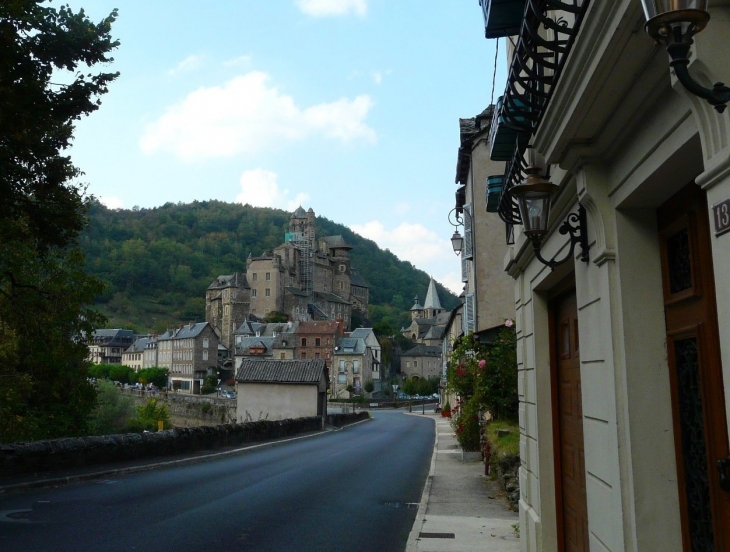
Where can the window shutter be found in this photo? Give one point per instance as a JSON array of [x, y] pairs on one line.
[[468, 252], [469, 313], [465, 270]]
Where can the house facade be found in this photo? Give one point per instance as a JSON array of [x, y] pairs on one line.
[[107, 346], [281, 389], [624, 361], [352, 366], [134, 355], [190, 353], [422, 361]]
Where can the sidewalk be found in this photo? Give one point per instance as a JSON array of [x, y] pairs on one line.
[[461, 510]]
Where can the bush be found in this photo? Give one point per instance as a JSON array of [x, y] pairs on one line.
[[112, 412], [466, 426], [148, 416]]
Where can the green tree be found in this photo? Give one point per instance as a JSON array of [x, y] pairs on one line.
[[148, 416], [112, 412], [369, 386], [43, 289], [156, 376]]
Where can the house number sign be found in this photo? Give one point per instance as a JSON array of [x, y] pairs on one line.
[[722, 217]]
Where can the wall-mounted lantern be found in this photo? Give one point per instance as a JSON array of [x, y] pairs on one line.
[[533, 196], [673, 23]]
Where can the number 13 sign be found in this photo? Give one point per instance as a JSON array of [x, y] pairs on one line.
[[722, 217]]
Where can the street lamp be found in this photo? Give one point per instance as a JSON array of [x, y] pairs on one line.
[[673, 23], [456, 220]]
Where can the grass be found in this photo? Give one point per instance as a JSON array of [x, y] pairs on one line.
[[505, 445]]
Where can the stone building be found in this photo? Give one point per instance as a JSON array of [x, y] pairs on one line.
[[427, 321], [422, 361], [190, 353], [622, 338], [305, 278], [107, 346]]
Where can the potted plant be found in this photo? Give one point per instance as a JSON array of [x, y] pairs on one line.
[[446, 410]]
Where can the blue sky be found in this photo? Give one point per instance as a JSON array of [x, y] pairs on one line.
[[349, 107]]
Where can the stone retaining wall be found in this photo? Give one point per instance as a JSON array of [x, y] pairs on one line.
[[39, 456]]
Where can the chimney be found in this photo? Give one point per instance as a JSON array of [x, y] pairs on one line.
[[192, 323], [340, 327]]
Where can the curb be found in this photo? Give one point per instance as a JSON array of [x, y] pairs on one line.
[[413, 538], [67, 479]]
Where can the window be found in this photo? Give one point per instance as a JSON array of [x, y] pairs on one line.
[[304, 342], [253, 293], [342, 285], [254, 276], [303, 355], [316, 355], [342, 268], [415, 364], [205, 355], [342, 366], [282, 356], [408, 363], [205, 343], [268, 292], [268, 276], [355, 366], [317, 342]]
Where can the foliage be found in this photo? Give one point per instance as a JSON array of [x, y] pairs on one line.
[[276, 317], [112, 412], [507, 444], [421, 386], [149, 414], [113, 372], [486, 375], [466, 425], [447, 407], [155, 375], [43, 46], [158, 262], [369, 386], [43, 290], [210, 384]]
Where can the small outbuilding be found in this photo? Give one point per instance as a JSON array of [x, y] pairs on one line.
[[281, 389]]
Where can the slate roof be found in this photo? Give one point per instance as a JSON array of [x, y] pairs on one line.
[[113, 337], [187, 331], [432, 296], [421, 350], [350, 346], [435, 332], [356, 279], [361, 332], [331, 297], [139, 345], [296, 291], [281, 371], [336, 242], [299, 213], [237, 279]]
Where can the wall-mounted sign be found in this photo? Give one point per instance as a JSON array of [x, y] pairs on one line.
[[721, 212]]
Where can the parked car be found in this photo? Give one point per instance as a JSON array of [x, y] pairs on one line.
[[228, 394]]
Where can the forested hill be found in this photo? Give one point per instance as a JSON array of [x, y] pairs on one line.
[[158, 262]]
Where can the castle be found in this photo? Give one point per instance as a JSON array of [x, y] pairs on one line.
[[305, 278]]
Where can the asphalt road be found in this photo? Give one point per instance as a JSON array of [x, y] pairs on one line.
[[349, 490]]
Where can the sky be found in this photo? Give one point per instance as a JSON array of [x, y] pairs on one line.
[[350, 107]]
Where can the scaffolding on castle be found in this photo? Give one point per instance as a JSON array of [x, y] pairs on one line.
[[304, 243]]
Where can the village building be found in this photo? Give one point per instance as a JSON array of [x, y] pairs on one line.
[[281, 389], [306, 278], [107, 345], [190, 353]]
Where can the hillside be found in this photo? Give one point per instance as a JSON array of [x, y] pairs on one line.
[[158, 262]]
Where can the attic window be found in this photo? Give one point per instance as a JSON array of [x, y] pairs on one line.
[[342, 268]]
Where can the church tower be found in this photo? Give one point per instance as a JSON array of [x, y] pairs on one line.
[[432, 304]]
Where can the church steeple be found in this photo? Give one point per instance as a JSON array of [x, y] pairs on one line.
[[432, 305]]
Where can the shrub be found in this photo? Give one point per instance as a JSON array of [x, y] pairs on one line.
[[148, 416]]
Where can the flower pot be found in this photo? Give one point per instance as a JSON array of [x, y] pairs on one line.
[[446, 413]]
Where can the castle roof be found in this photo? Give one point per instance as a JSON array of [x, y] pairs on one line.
[[299, 213], [237, 279], [336, 242], [356, 279], [421, 350]]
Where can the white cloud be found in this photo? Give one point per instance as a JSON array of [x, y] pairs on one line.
[[188, 64], [111, 202], [415, 243], [325, 8], [260, 188], [244, 62], [379, 75], [246, 115]]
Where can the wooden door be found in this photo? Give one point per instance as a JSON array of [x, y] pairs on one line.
[[570, 470], [695, 372]]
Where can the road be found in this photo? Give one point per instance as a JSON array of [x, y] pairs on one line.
[[349, 490]]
